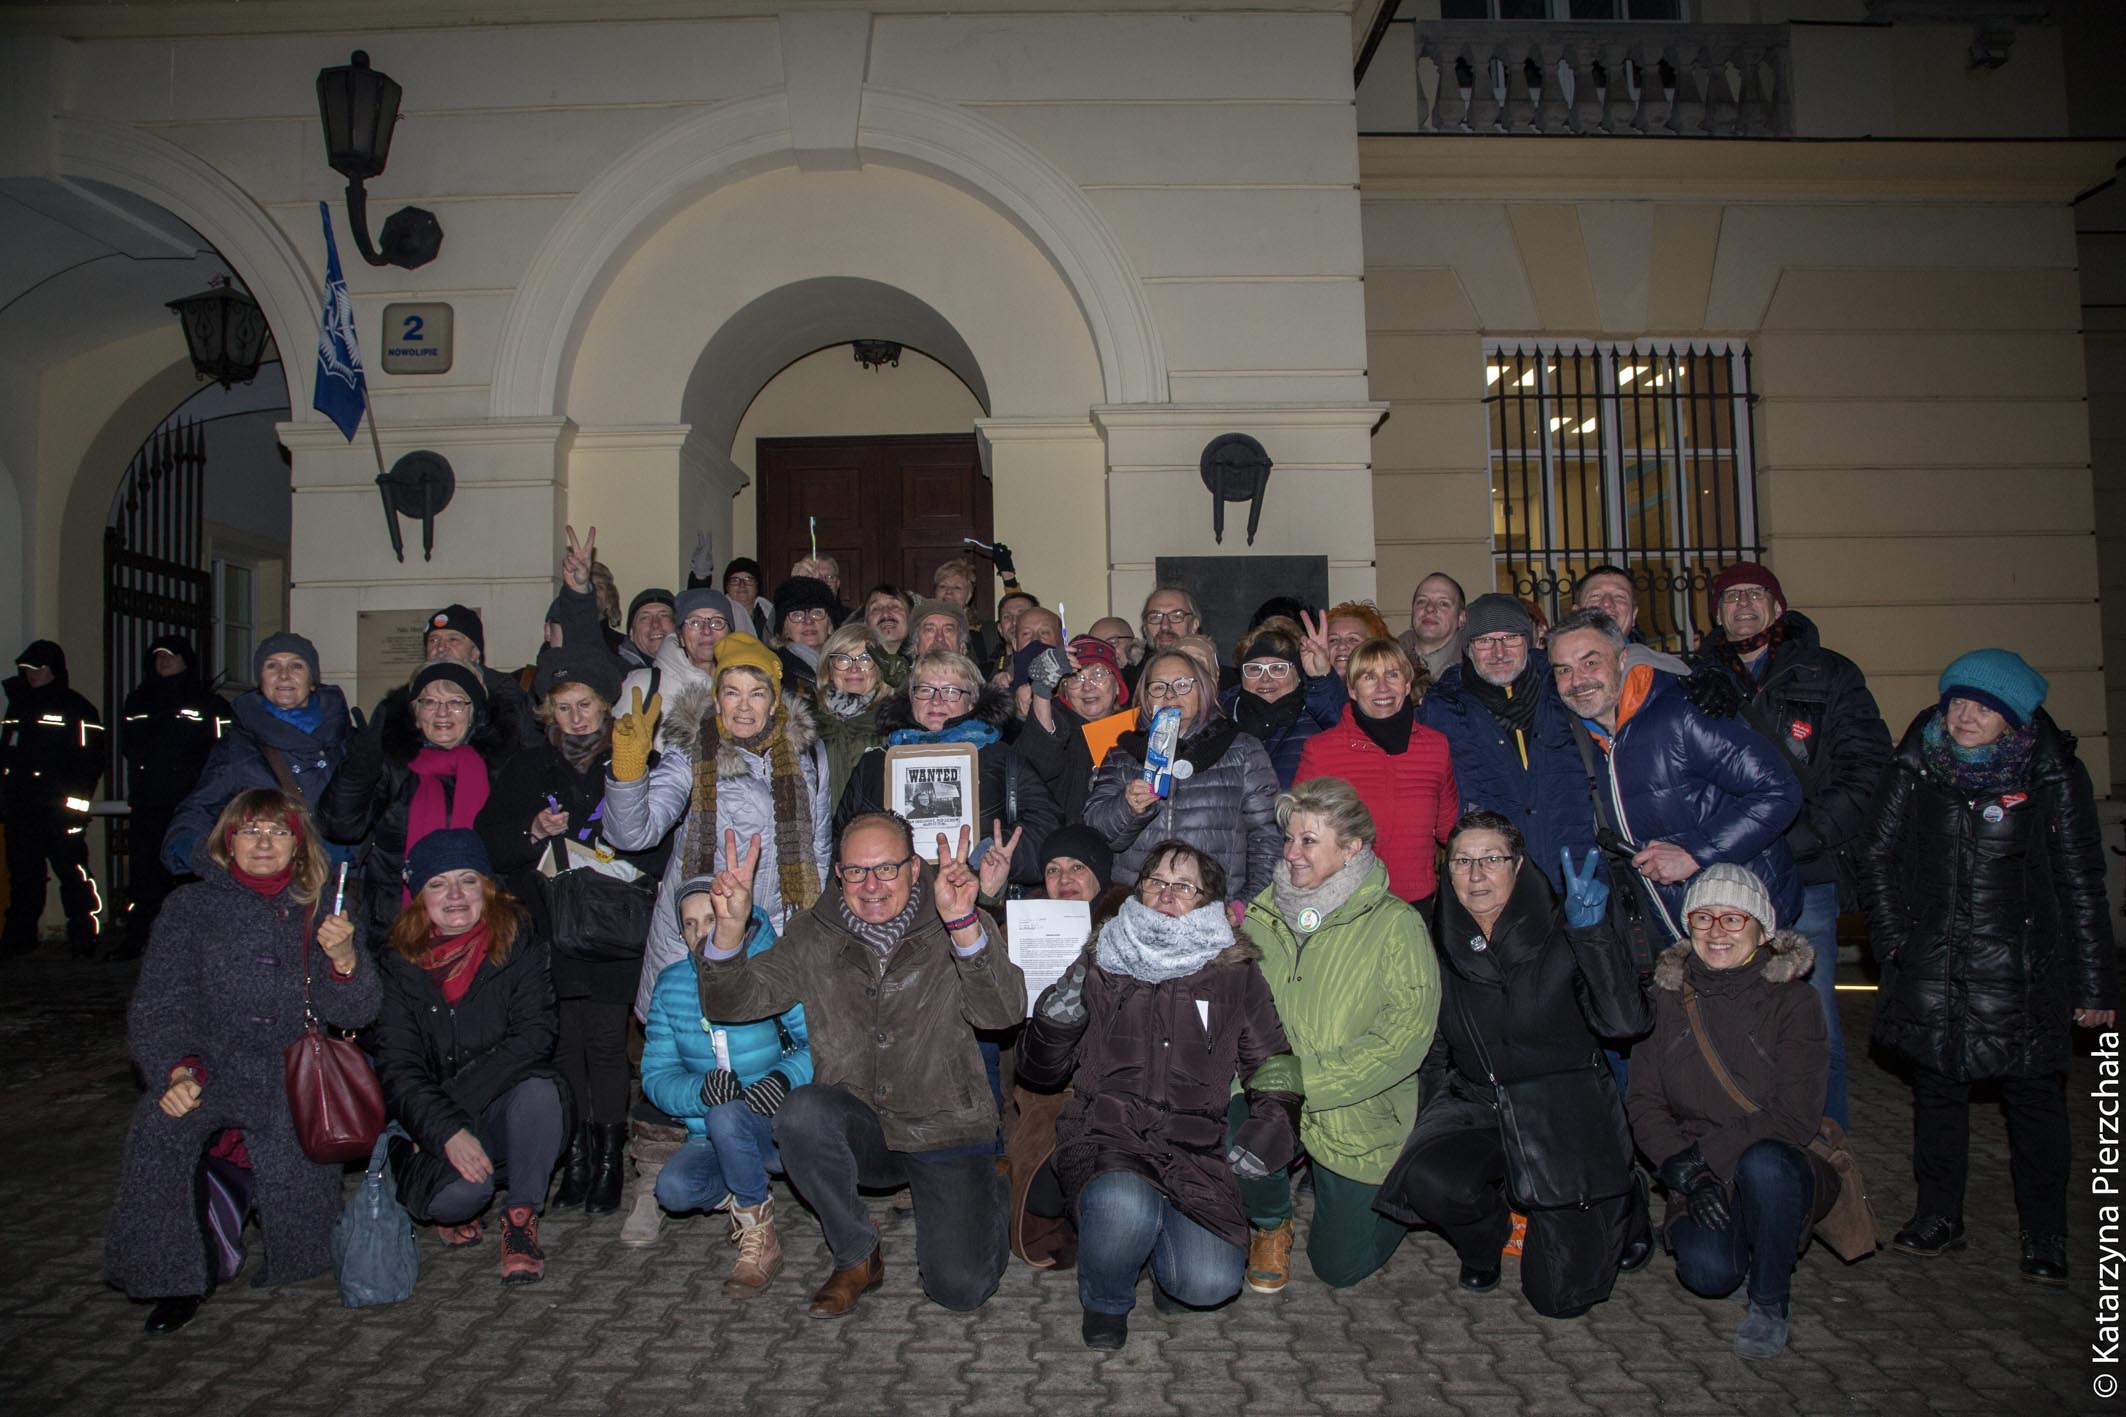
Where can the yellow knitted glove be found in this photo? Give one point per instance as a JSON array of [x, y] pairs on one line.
[[634, 732]]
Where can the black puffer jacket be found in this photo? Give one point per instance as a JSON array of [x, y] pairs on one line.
[[1989, 916], [1012, 794], [169, 724], [1227, 807], [370, 796], [1814, 704], [51, 744]]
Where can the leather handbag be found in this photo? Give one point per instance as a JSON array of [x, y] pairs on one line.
[[1845, 1220], [599, 919], [1567, 1143], [334, 1098]]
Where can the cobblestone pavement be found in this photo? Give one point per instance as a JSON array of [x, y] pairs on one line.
[[648, 1331]]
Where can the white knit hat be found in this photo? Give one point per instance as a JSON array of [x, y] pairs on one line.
[[1724, 887]]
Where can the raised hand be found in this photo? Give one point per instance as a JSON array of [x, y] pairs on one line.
[[1586, 893], [701, 566], [731, 893], [995, 873], [335, 936], [1314, 643], [956, 886], [634, 734], [576, 565]]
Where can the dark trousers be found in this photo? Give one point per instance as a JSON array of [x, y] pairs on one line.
[[1457, 1182], [521, 1132], [2038, 1148], [148, 881], [831, 1144], [590, 1049], [1347, 1240], [31, 844], [1768, 1215]]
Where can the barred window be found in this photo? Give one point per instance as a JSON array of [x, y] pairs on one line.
[[1635, 455]]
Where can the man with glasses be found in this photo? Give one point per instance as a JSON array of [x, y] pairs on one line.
[[897, 967], [686, 658], [1119, 636], [1170, 616], [1812, 704], [1510, 735]]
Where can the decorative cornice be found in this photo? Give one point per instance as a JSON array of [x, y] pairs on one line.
[[1221, 416], [322, 436]]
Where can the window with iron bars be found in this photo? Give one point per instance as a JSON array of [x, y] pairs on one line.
[[1635, 455]]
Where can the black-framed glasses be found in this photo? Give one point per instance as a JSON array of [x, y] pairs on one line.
[[1477, 865], [944, 693], [1167, 617], [1168, 688], [884, 871], [1180, 890]]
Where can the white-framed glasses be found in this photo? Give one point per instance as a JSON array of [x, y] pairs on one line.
[[1275, 669]]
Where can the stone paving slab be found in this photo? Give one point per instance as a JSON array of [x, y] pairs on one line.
[[648, 1331]]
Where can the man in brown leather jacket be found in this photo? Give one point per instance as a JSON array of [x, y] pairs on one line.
[[896, 968]]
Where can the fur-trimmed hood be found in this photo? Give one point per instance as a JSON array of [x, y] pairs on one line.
[[992, 706], [1789, 957], [690, 718], [497, 731]]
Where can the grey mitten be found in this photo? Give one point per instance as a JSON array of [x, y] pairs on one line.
[[1064, 1002], [1049, 669], [703, 564], [1246, 1164], [720, 1085]]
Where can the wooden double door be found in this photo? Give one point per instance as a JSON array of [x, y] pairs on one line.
[[889, 509]]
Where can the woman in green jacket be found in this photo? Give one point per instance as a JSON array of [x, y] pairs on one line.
[[852, 689], [1357, 986]]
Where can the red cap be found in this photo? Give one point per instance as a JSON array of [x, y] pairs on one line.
[[1097, 651], [1743, 573]]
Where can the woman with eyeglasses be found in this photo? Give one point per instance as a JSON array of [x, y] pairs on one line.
[[1222, 799], [1152, 1029], [425, 763], [1403, 770], [1079, 709], [806, 611], [219, 999], [1531, 984], [1352, 971], [1286, 693], [946, 701], [1743, 1189], [852, 693]]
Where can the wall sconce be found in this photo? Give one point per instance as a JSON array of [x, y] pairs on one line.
[[359, 107], [420, 484], [225, 332], [1235, 468]]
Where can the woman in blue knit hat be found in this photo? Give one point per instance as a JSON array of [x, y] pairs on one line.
[[1985, 882]]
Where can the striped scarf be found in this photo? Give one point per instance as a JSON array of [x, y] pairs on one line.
[[796, 871]]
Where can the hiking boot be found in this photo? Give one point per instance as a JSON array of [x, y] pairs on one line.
[[523, 1262], [1270, 1257], [2044, 1258], [457, 1237], [759, 1251], [1930, 1235], [1762, 1333]]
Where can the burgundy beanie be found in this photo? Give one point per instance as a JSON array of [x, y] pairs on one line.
[[1743, 573]]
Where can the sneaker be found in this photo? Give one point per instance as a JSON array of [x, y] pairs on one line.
[[1269, 1258], [1762, 1333], [2044, 1258], [1930, 1235], [523, 1262], [1107, 1332], [457, 1237]]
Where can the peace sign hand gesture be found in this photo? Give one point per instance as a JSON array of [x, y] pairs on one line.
[[1314, 643], [576, 565], [1586, 893], [956, 886], [731, 893], [995, 873]]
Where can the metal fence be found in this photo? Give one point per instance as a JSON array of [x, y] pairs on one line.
[[1635, 455]]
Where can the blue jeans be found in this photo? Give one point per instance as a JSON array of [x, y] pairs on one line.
[[734, 1159], [1819, 921], [1124, 1220], [1768, 1214]]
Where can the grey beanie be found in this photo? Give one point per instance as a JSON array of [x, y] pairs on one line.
[[925, 609], [286, 642], [1497, 614], [702, 598], [692, 885], [1722, 886]]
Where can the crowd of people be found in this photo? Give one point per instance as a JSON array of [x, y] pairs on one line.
[[1492, 930]]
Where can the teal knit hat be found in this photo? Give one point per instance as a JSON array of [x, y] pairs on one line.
[[1997, 678]]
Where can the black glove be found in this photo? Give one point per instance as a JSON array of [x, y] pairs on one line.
[[769, 1093], [720, 1085], [1049, 668], [1712, 693], [1064, 1000], [1001, 555], [1688, 1175]]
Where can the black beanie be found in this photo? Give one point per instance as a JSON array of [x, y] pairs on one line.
[[803, 593], [1081, 843], [592, 666], [655, 595], [450, 671], [746, 564], [462, 618]]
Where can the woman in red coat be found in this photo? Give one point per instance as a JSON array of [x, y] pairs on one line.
[[1400, 767]]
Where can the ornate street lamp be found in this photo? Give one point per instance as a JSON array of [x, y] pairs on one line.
[[359, 107], [225, 332]]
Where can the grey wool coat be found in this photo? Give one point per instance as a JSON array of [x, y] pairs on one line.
[[639, 813], [222, 983]]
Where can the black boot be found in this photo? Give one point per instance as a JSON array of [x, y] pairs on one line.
[[575, 1168], [608, 1148]]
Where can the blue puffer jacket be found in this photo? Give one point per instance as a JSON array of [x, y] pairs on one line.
[[1712, 786], [1548, 798], [238, 764], [1321, 707], [679, 1045]]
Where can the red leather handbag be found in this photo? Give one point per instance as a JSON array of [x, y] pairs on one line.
[[333, 1095]]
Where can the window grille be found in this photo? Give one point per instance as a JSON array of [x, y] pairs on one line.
[[1637, 455]]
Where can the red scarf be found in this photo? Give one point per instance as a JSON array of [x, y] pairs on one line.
[[452, 961], [267, 886], [431, 810]]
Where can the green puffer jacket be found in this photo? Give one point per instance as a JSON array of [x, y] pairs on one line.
[[848, 739], [1358, 1000]]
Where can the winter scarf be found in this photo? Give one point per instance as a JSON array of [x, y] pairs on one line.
[[1325, 899], [883, 937], [452, 961], [1511, 704], [795, 870], [2000, 766], [807, 654], [266, 886], [581, 750], [1391, 734], [305, 715], [968, 729], [1142, 944], [432, 810], [1265, 718], [842, 705], [1735, 654]]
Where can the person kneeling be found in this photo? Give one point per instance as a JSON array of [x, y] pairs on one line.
[[725, 1081], [897, 969], [1150, 1028]]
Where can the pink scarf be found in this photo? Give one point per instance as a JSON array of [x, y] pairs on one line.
[[430, 810]]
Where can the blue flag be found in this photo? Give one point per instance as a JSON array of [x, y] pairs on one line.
[[341, 391]]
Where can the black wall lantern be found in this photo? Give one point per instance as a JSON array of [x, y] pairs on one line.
[[420, 484], [360, 107], [225, 332]]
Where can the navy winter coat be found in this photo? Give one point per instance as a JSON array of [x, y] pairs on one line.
[[1548, 798], [238, 764], [1321, 706]]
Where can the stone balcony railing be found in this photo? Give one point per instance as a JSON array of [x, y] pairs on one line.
[[1603, 79]]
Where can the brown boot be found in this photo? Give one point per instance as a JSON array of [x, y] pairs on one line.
[[759, 1251], [845, 1286]]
